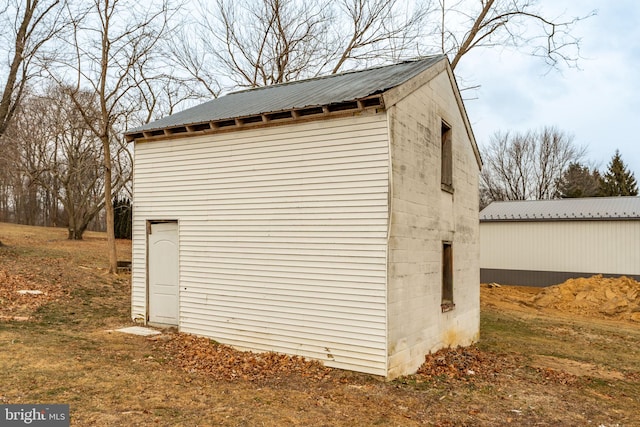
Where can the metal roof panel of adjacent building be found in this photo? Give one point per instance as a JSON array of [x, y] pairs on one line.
[[319, 91], [592, 208]]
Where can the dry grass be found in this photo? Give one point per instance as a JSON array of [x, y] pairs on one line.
[[532, 367]]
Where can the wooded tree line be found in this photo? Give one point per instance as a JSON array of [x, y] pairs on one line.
[[547, 164], [75, 74]]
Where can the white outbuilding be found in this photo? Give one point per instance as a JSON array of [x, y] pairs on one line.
[[334, 218], [545, 242]]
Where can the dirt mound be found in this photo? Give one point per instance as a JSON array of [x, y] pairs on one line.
[[617, 298]]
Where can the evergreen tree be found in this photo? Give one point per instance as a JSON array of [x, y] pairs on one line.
[[578, 181], [122, 218], [618, 181]]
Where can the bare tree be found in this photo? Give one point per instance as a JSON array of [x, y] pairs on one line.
[[261, 42], [24, 153], [25, 28], [249, 43], [75, 169], [57, 162], [378, 31], [110, 44], [28, 134], [7, 154], [524, 166], [517, 24], [255, 43], [160, 89]]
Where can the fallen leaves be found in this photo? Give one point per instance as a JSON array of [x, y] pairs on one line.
[[222, 362], [470, 364], [21, 296], [464, 363], [554, 376]]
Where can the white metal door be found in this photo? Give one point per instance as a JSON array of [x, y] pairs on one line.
[[163, 273]]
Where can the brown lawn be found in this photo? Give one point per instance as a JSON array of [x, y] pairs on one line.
[[536, 363]]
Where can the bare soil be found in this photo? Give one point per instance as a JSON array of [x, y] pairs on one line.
[[546, 357], [616, 298]]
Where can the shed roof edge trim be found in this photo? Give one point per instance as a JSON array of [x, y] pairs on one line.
[[262, 119]]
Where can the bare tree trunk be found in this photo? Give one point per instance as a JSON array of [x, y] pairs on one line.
[[10, 94], [128, 41], [108, 207], [77, 232], [105, 138], [37, 25]]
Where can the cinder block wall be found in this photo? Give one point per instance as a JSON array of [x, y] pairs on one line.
[[422, 217]]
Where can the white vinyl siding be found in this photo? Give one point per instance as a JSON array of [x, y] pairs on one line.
[[283, 234], [606, 247]]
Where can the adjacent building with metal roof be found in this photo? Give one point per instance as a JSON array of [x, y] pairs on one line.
[[592, 208], [320, 218], [544, 242]]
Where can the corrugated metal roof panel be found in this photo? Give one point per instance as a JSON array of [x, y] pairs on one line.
[[592, 208], [318, 91]]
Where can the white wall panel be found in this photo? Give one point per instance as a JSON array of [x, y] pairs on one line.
[[282, 236], [423, 216], [607, 247]]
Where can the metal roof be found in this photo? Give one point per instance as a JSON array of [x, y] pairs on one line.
[[320, 91], [591, 208]]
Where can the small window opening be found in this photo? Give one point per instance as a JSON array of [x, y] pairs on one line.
[[447, 277], [446, 157]]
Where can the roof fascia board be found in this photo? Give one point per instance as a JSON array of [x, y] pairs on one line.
[[572, 219], [398, 93], [257, 125], [465, 117]]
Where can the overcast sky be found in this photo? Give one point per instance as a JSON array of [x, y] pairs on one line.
[[598, 104]]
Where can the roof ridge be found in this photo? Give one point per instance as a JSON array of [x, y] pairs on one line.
[[568, 199], [584, 208], [328, 76]]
